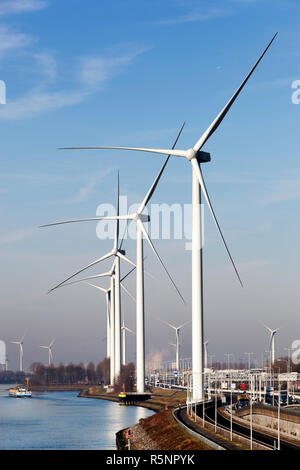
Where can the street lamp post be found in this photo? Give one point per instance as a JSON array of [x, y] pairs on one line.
[[251, 424], [231, 411], [228, 359], [215, 404], [279, 389]]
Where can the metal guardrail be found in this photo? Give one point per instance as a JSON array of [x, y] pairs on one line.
[[199, 436]]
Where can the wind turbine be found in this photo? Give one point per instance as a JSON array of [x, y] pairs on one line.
[[50, 355], [139, 218], [177, 343], [117, 253], [272, 342], [124, 329], [196, 156], [20, 343], [110, 315], [205, 354]]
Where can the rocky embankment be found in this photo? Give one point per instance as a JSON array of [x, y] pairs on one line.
[[159, 432]]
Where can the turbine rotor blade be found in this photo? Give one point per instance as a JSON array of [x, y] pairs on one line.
[[127, 292], [269, 329], [96, 287], [126, 275], [89, 219], [108, 255], [215, 124], [129, 330], [120, 247], [96, 276], [52, 342], [184, 324], [167, 323], [197, 169], [176, 153], [116, 243], [120, 255], [155, 183], [159, 258]]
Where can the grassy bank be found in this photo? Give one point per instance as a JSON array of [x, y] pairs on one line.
[[160, 398]]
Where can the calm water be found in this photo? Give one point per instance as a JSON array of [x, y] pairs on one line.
[[60, 420]]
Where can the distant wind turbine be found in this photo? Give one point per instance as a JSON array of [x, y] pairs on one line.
[[177, 343], [124, 329], [196, 156], [50, 355], [272, 342], [20, 343], [205, 354]]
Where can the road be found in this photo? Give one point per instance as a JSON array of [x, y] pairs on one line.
[[223, 422]]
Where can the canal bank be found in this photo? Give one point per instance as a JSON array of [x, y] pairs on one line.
[[157, 432]]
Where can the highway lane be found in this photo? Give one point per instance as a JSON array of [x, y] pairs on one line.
[[259, 437]]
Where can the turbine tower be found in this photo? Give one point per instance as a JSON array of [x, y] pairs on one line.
[[124, 329], [50, 355], [205, 355], [177, 343], [196, 156], [272, 342], [139, 218], [20, 343]]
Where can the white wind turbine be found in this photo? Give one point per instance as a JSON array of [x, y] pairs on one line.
[[139, 218], [124, 329], [272, 342], [205, 354], [110, 315], [20, 343], [50, 355], [177, 342], [117, 253], [196, 156]]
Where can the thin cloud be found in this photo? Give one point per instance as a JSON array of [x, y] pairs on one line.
[[16, 235], [39, 100], [96, 70], [286, 190], [197, 15], [12, 40], [13, 7], [85, 191], [48, 66], [36, 102]]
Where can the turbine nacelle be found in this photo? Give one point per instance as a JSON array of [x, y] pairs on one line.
[[202, 157], [142, 217]]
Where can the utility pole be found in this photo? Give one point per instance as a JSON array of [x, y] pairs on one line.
[[228, 359], [249, 354], [211, 358]]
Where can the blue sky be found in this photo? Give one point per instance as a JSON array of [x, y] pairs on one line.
[[129, 73]]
